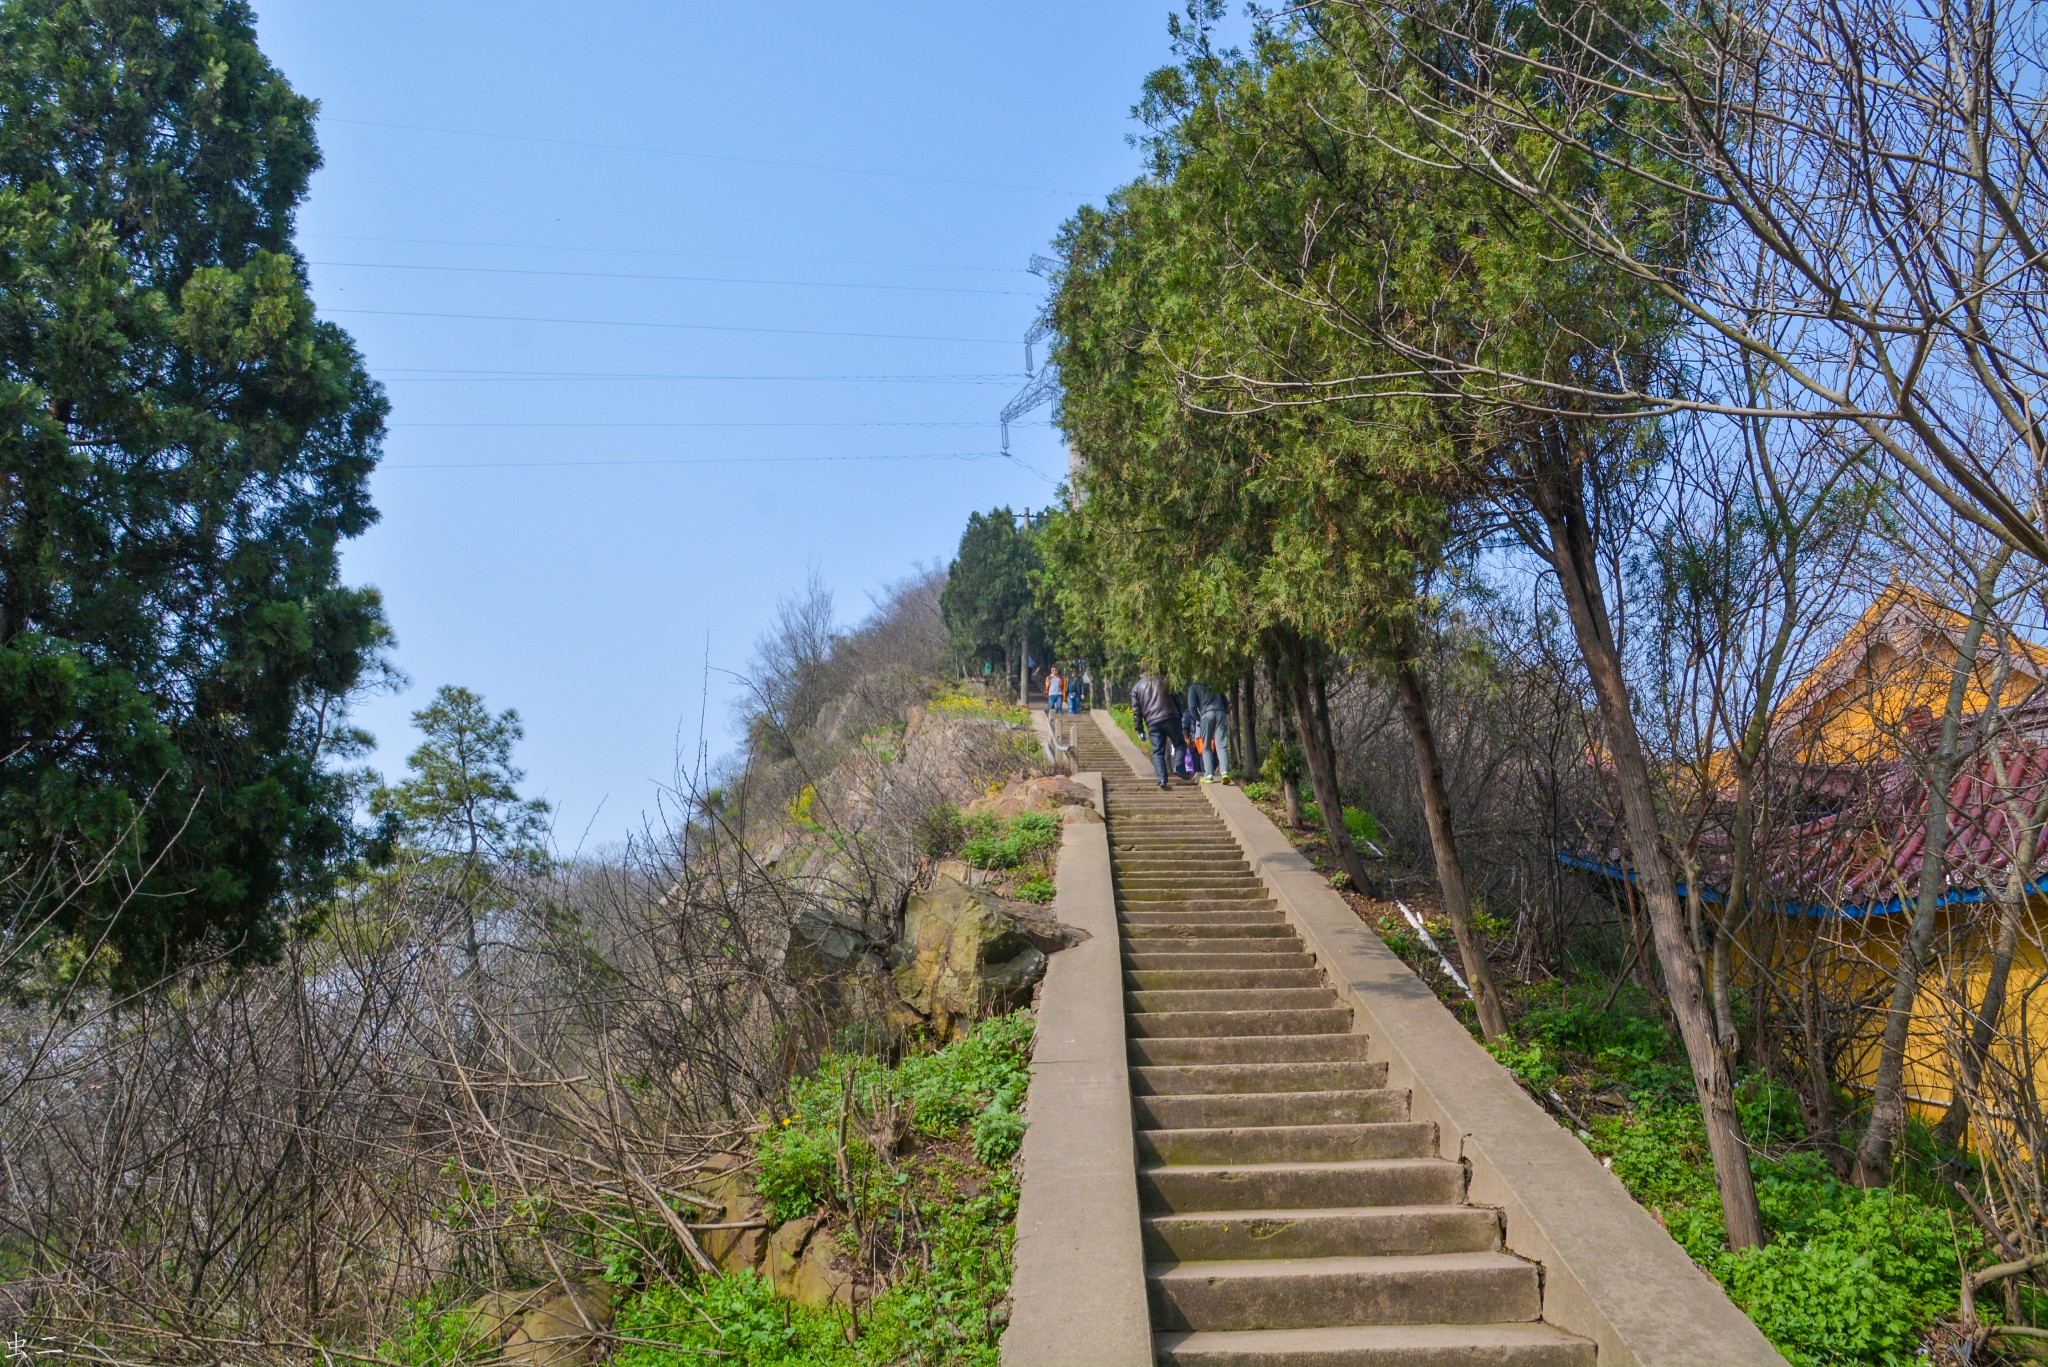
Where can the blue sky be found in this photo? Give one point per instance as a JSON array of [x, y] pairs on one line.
[[590, 249]]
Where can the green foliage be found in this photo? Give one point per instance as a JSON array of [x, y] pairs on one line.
[[1769, 1111], [1284, 763], [736, 1318], [1529, 1062], [1363, 828], [1259, 791], [1037, 888], [1128, 721], [797, 1155], [462, 800], [995, 844], [939, 1309], [989, 602], [939, 830], [433, 1336], [186, 447]]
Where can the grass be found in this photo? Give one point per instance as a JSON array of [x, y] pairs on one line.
[[960, 702], [1849, 1276]]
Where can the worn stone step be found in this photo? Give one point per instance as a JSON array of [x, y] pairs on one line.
[[1302, 1021], [1186, 878], [1230, 999], [1184, 913], [1202, 904], [1378, 1106], [1208, 1079], [1187, 979], [1223, 921], [1289, 1143], [1356, 1231], [1227, 930], [1373, 1345], [1273, 954], [1300, 1186], [1304, 1293], [1338, 1048]]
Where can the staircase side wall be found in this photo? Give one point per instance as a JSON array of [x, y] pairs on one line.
[[1610, 1272], [1077, 1289]]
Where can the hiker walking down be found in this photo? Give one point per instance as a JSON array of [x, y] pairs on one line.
[[1155, 712], [1055, 691], [1211, 711]]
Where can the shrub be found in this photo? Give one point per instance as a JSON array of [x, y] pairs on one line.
[[736, 1319], [1364, 830], [1037, 888], [939, 830], [433, 1337], [1529, 1062], [993, 844], [1259, 791]]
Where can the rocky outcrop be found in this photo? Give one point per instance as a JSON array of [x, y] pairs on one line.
[[966, 953], [728, 1183], [1051, 795], [545, 1326], [804, 1265]]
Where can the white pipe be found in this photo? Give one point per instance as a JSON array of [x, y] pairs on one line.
[[1434, 948]]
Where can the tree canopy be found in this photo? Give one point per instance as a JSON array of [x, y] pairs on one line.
[[186, 447]]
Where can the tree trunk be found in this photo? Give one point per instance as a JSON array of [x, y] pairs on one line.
[[1568, 545], [1450, 870], [1024, 668], [1888, 1092], [1322, 772], [1248, 722]]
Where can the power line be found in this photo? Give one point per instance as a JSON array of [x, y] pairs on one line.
[[747, 423], [701, 156], [649, 251], [959, 456], [683, 327], [680, 279], [452, 375]]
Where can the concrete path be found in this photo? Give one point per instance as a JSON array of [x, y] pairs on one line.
[[1293, 1213]]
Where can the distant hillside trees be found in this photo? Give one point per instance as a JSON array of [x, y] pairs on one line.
[[989, 603], [185, 448]]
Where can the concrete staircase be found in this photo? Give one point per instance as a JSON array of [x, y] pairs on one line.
[[1294, 1215]]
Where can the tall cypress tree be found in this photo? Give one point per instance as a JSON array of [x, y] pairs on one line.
[[185, 447]]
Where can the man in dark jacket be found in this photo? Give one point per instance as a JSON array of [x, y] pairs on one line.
[[1153, 708], [1211, 712]]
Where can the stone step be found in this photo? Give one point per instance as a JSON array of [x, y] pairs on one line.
[[1303, 1021], [1359, 1231], [1234, 931], [1374, 1345], [1179, 1188], [1339, 1048], [1289, 1143], [1306, 1293], [1379, 1106], [1186, 878], [1196, 904], [1182, 913], [1272, 954], [1210, 1079], [1230, 999], [1181, 980]]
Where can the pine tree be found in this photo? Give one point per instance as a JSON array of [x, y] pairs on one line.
[[185, 447]]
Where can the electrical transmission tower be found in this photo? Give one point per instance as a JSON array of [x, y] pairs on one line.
[[1044, 385]]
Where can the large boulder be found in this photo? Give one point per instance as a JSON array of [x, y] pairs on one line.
[[726, 1181], [495, 1316], [826, 942], [785, 1252], [964, 954], [567, 1330], [1051, 795]]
